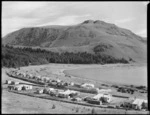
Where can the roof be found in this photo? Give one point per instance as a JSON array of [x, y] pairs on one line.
[[104, 90], [102, 95], [138, 102], [89, 84]]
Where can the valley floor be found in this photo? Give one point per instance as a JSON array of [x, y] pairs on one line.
[[15, 103]]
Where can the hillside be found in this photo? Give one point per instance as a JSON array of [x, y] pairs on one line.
[[89, 36]]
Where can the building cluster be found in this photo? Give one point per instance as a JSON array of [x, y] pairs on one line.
[[102, 97], [58, 93], [42, 79], [137, 104], [15, 85]]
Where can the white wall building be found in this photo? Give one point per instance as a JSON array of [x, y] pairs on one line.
[[87, 85], [107, 96]]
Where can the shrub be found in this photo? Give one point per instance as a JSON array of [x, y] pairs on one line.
[[53, 107]]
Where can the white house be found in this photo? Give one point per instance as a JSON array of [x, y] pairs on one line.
[[107, 96], [137, 103], [72, 83], [18, 87], [58, 80], [87, 85], [16, 83]]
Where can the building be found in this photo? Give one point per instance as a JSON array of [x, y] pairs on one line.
[[10, 87], [26, 87], [18, 87], [8, 82], [103, 96], [72, 83], [40, 91], [103, 90], [15, 83], [87, 85], [66, 94], [138, 103], [58, 80]]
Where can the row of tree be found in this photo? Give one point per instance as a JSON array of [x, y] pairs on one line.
[[16, 57]]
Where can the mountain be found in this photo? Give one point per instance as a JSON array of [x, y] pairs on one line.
[[90, 36]]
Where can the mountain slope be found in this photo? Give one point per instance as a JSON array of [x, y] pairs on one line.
[[107, 38]]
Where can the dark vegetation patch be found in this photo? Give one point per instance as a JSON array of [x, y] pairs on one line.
[[16, 57]]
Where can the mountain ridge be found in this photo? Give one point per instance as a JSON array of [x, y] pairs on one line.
[[82, 37]]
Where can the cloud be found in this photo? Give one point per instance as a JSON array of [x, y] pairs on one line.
[[142, 32], [16, 15], [66, 20], [124, 20]]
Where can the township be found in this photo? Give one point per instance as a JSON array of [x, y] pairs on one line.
[[85, 94]]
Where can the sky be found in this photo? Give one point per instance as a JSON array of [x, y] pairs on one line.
[[129, 15]]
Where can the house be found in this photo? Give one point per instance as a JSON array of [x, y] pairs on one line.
[[104, 97], [87, 85], [72, 83], [16, 83], [138, 103], [18, 87], [103, 90], [63, 95], [66, 94], [8, 82], [40, 91], [10, 87], [26, 87], [93, 101], [58, 80]]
